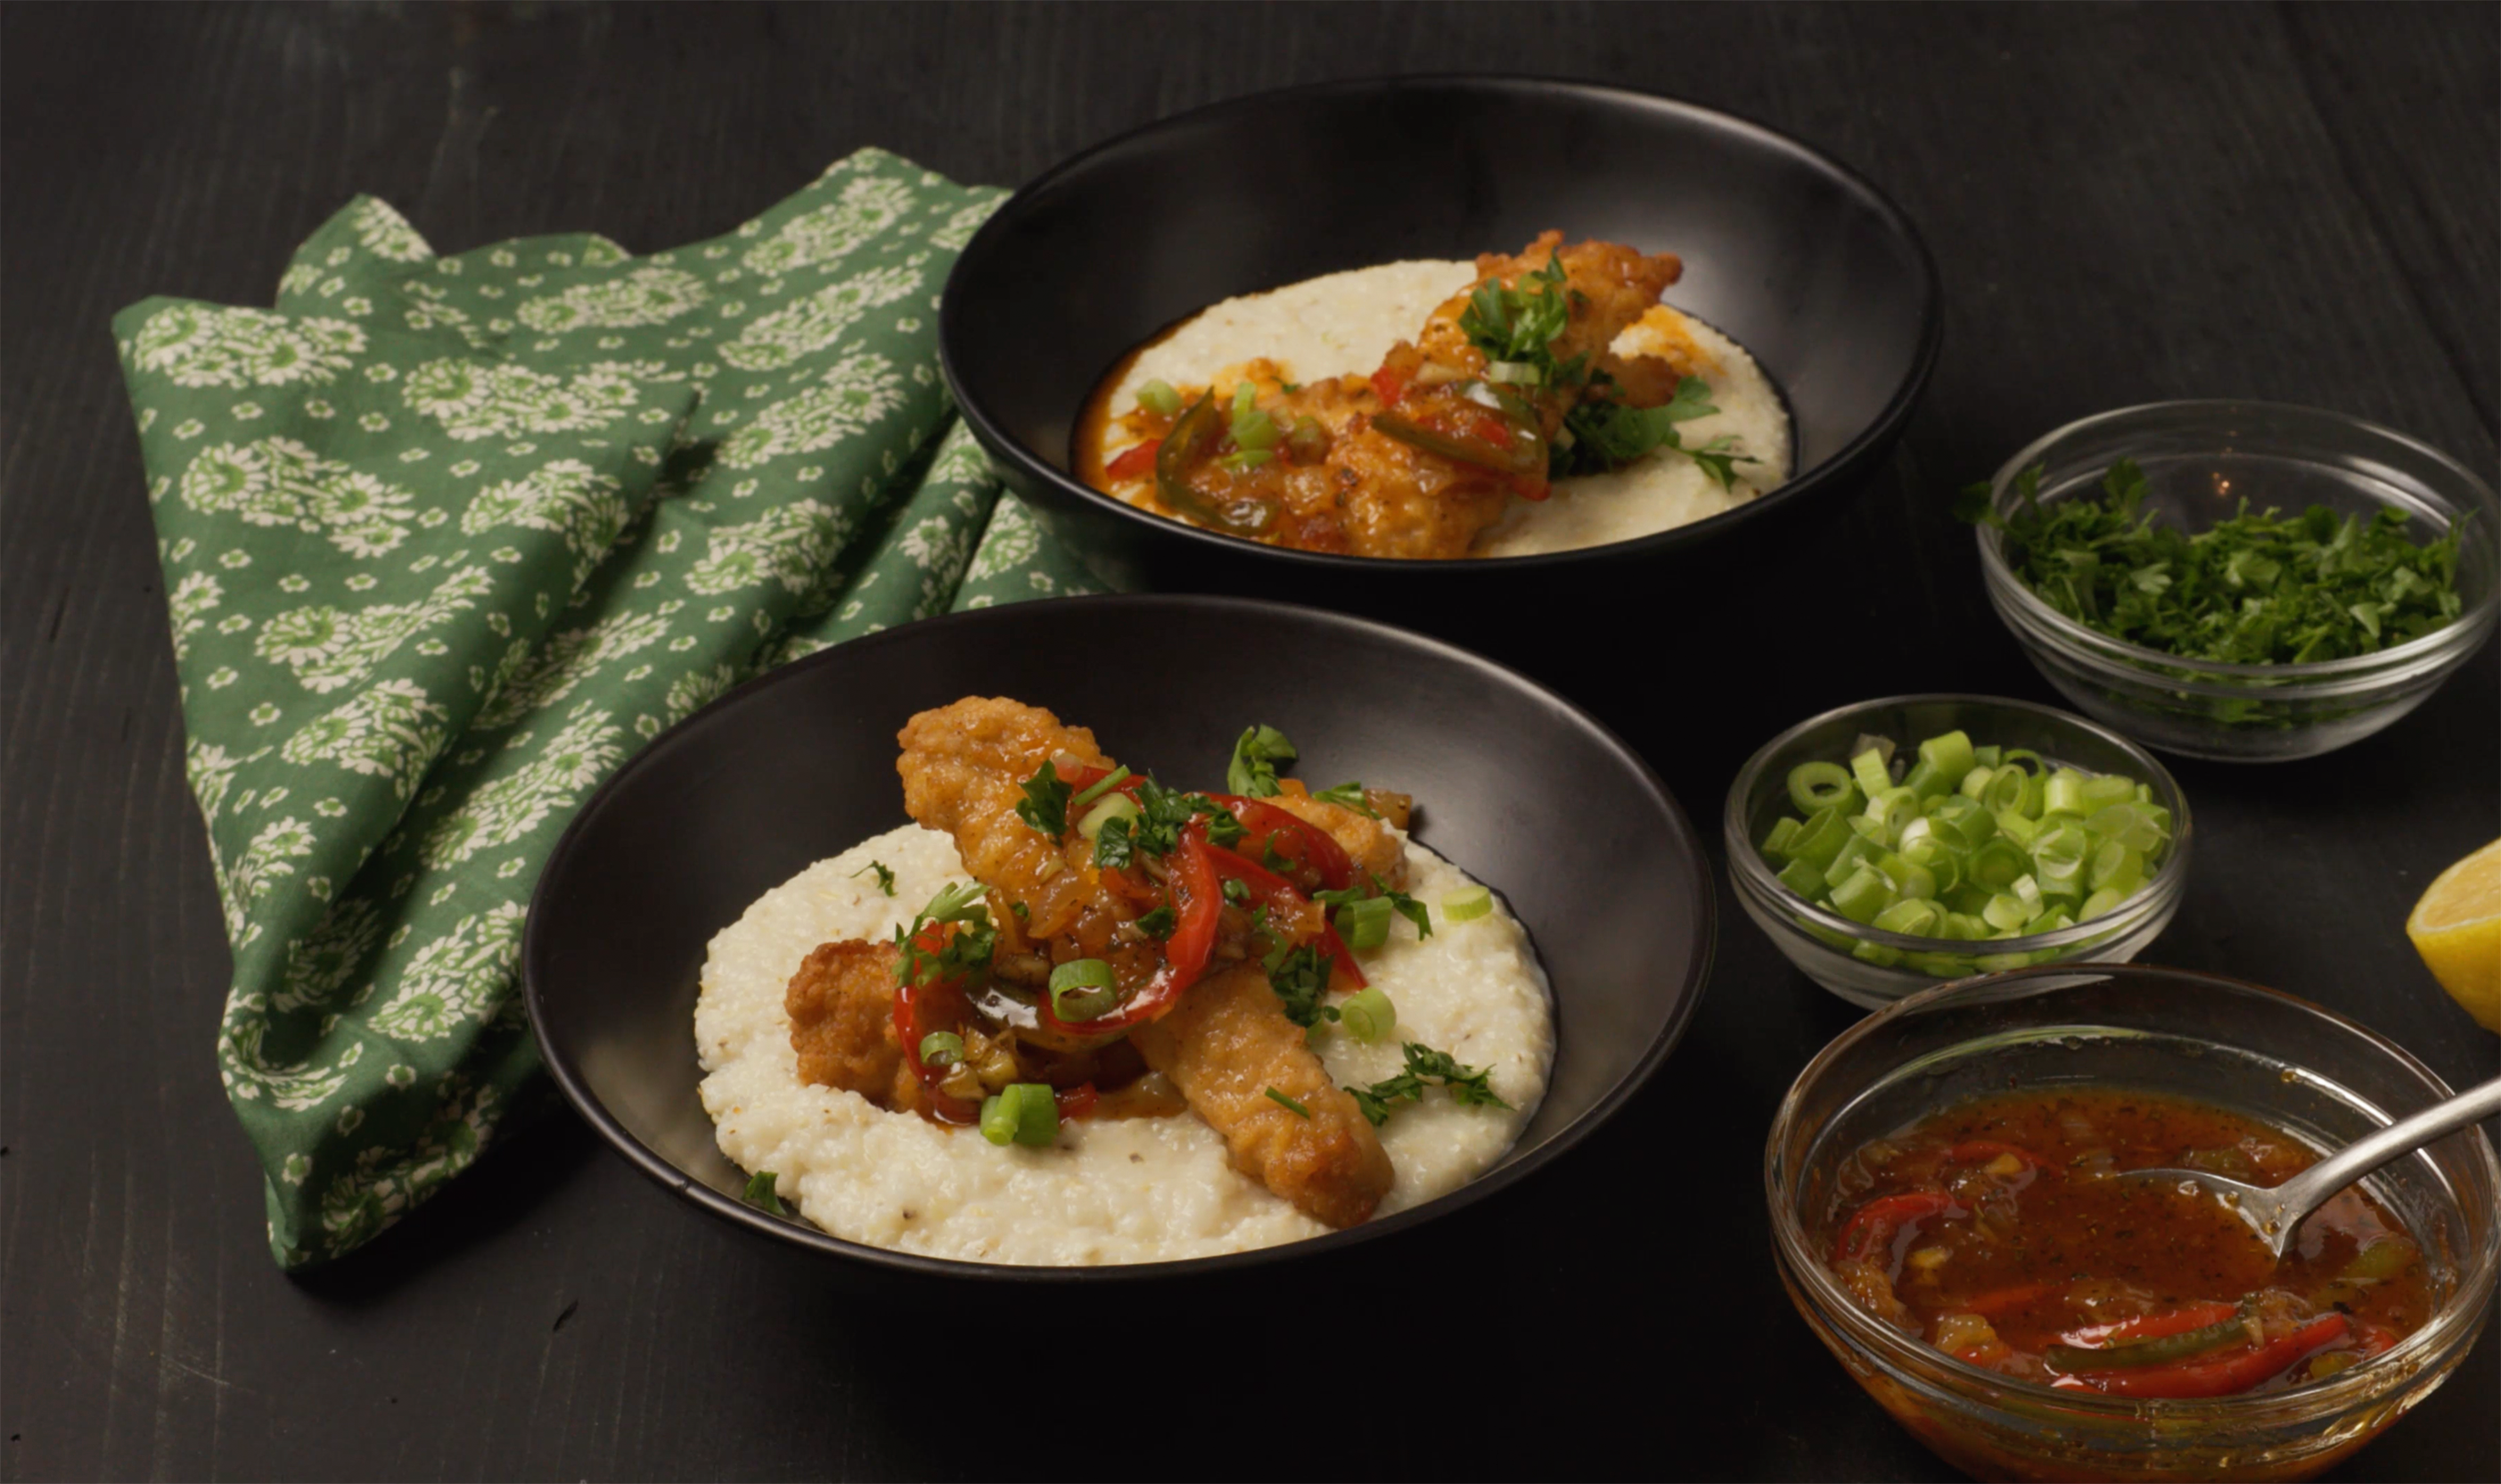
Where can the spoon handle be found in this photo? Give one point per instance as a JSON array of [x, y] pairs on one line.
[[2403, 1136]]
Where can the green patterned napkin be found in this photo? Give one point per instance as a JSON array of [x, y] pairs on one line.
[[446, 539]]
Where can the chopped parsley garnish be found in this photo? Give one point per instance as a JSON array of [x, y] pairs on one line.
[[1425, 1067], [1288, 1105], [1046, 801], [884, 875], [1608, 434], [759, 1193], [965, 952], [1163, 811], [1300, 977], [1160, 923], [1112, 846], [2253, 589], [1236, 890], [1349, 795], [1255, 756], [1518, 323], [1023, 912]]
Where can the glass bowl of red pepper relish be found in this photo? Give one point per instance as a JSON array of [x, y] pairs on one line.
[[1948, 1216]]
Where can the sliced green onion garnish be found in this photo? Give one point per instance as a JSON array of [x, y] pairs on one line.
[[1099, 787], [1783, 829], [2006, 913], [1918, 918], [1892, 812], [1082, 989], [1365, 924], [1104, 812], [1035, 1110], [1821, 785], [1246, 458], [1869, 770], [998, 1119], [2065, 794], [1995, 865], [2109, 788], [1805, 877], [1862, 894], [2100, 903], [941, 1048], [1819, 839], [1468, 904], [1289, 1103], [1910, 878], [1369, 1015], [1516, 373], [1160, 398], [2117, 867], [1949, 755], [1988, 757]]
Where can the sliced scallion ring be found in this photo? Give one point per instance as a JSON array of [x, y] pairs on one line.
[[1369, 1015], [1467, 905], [1159, 397], [1082, 989], [1821, 785], [941, 1048]]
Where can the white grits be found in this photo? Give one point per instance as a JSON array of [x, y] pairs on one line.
[[1138, 1190], [1343, 323]]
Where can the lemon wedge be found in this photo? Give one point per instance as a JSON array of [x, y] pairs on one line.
[[2457, 928]]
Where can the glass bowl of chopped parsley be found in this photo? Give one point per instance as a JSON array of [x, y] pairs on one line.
[[2241, 581]]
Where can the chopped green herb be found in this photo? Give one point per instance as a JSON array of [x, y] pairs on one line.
[[1255, 756], [1269, 857], [1520, 323], [1426, 1068], [1023, 913], [1288, 1105], [1112, 845], [1349, 795], [884, 875], [1235, 891], [1607, 434], [965, 953], [1158, 924], [759, 1193], [1300, 977], [2253, 589], [1046, 801]]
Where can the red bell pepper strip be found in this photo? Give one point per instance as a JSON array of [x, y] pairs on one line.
[[1197, 902], [1137, 463], [1284, 900], [1990, 1306], [1087, 776], [909, 1002], [1294, 838], [1877, 1223], [2218, 1377], [2179, 1321], [1078, 1101], [1388, 385]]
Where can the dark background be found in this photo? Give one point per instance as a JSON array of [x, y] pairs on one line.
[[2125, 203]]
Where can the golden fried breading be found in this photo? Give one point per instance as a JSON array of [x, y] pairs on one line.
[[1369, 842], [1224, 1046], [1610, 286], [964, 767], [842, 1023]]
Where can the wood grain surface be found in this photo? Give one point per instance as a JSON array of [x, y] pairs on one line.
[[2127, 204]]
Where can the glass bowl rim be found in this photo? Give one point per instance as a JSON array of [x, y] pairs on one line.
[[2475, 496], [1906, 1360], [1755, 876]]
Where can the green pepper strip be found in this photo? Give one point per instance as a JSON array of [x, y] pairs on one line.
[[2073, 1359], [1190, 443], [1526, 454]]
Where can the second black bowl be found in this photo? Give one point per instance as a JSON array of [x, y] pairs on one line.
[[1805, 264]]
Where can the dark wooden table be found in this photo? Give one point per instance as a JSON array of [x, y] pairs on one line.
[[2127, 204]]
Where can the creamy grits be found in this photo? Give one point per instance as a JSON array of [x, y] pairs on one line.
[[1138, 1190], [1343, 323]]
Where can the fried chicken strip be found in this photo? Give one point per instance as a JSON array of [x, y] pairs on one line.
[[842, 1023], [1369, 842], [964, 767], [1224, 1046]]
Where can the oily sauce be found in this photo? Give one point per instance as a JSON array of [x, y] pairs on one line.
[[1999, 1231]]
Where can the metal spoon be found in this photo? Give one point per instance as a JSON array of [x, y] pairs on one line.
[[2276, 1212]]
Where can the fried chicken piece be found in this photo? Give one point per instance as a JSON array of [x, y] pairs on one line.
[[964, 767], [1610, 286], [842, 1023], [1224, 1046], [1369, 842]]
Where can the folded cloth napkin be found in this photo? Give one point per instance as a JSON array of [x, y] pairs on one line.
[[446, 539]]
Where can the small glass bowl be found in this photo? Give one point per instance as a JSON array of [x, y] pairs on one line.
[[2217, 1040], [2201, 459], [1870, 967]]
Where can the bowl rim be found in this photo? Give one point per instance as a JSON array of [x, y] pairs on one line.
[[2479, 1272], [1886, 424], [1754, 875], [2481, 506], [799, 1231]]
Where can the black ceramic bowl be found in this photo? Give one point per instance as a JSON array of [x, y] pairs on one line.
[[1802, 261], [1514, 783]]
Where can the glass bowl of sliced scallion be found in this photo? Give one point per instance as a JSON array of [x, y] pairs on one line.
[[2246, 581], [1891, 845]]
